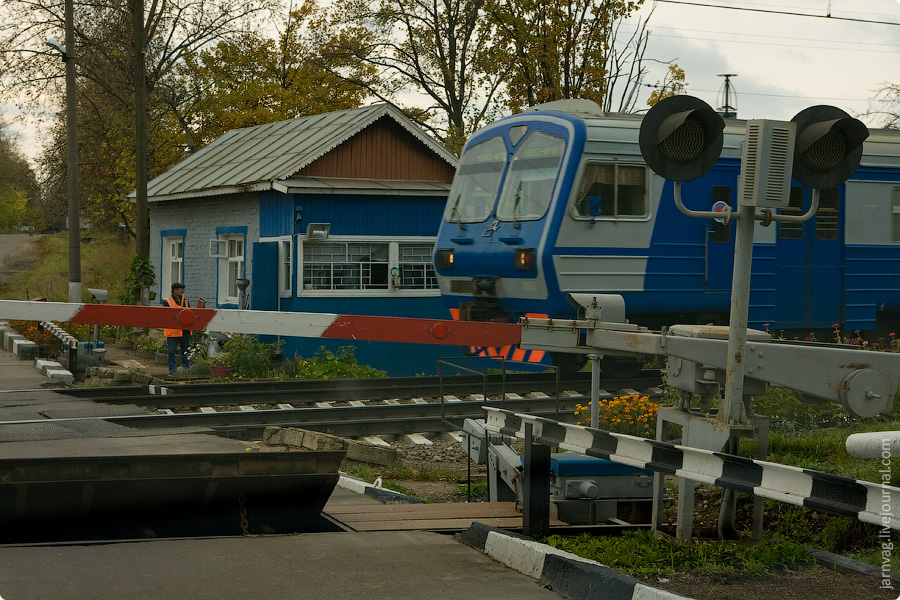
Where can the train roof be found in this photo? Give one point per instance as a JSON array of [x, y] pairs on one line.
[[618, 134]]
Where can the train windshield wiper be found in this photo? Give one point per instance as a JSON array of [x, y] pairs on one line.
[[517, 201]]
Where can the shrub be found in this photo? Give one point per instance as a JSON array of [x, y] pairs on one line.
[[248, 357], [328, 365]]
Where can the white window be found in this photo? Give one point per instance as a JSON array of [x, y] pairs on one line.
[[416, 271], [173, 262], [378, 267], [285, 266], [231, 266]]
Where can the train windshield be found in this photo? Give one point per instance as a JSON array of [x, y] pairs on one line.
[[532, 175], [477, 182]]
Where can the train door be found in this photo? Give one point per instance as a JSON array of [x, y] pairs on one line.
[[809, 263]]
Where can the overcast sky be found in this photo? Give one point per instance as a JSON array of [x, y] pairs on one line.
[[784, 63]]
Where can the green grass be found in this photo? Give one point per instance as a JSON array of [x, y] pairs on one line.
[[643, 554], [104, 265]]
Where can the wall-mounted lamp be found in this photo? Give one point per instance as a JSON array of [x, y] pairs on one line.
[[318, 231], [298, 214]]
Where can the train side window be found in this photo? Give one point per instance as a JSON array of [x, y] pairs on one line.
[[895, 215], [612, 190], [827, 215], [792, 231], [720, 232]]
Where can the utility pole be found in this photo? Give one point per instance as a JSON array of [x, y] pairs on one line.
[[67, 52], [142, 215], [727, 111]]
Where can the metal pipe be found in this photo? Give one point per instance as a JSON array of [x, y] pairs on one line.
[[74, 224], [731, 410], [880, 444], [595, 390]]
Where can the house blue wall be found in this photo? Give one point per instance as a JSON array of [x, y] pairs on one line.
[[358, 215], [374, 215]]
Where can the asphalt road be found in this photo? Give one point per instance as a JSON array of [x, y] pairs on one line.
[[11, 241]]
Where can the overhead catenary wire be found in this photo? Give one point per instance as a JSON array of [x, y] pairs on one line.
[[779, 12]]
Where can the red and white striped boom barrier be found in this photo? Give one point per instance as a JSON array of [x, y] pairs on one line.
[[263, 322]]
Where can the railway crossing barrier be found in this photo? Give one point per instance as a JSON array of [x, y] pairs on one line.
[[862, 381], [878, 504]]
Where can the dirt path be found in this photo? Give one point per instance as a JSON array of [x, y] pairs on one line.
[[18, 253]]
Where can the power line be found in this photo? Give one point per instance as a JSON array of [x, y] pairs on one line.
[[792, 96], [770, 44], [778, 12], [653, 30]]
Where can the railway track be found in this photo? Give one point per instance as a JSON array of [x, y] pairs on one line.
[[349, 408], [309, 392]]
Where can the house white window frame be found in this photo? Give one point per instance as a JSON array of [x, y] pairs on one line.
[[895, 214], [394, 267], [220, 248], [171, 240]]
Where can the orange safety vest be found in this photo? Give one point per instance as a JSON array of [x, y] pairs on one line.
[[172, 304]]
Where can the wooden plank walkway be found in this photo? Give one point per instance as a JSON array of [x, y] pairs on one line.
[[455, 516]]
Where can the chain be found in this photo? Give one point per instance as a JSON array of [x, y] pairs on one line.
[[242, 511]]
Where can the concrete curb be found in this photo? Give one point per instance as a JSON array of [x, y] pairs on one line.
[[386, 496], [572, 576]]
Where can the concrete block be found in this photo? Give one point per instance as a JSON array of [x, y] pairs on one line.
[[295, 438], [367, 453], [121, 375], [376, 441], [42, 364], [63, 375], [10, 339], [418, 440], [25, 349], [452, 436]]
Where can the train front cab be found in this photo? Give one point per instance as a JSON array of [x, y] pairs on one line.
[[488, 255]]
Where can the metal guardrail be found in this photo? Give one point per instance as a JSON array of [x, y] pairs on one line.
[[869, 502], [70, 341]]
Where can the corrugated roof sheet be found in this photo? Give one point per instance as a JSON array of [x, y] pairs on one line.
[[243, 159]]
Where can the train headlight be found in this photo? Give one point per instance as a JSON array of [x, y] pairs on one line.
[[444, 259], [523, 259], [829, 146]]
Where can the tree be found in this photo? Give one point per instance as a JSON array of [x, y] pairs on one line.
[[889, 94], [673, 83], [251, 79], [18, 185], [443, 48], [30, 74], [556, 50]]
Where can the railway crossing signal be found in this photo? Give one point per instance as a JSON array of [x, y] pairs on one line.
[[829, 146], [681, 138]]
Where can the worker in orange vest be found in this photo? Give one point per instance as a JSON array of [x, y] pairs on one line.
[[177, 337]]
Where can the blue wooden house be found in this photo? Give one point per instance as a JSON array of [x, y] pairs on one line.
[[335, 213]]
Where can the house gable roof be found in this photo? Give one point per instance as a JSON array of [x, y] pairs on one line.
[[256, 158]]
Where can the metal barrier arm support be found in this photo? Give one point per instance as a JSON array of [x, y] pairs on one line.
[[862, 380], [869, 502]]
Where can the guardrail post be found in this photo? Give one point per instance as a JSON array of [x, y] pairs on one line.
[[536, 514]]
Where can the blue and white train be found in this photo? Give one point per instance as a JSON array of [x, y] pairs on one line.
[[558, 199]]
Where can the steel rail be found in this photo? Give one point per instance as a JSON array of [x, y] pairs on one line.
[[217, 395], [347, 421]]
